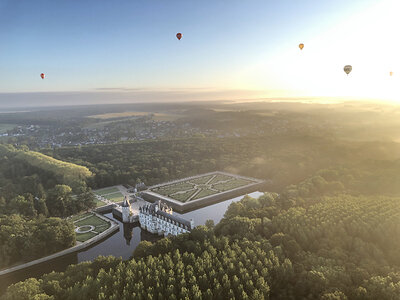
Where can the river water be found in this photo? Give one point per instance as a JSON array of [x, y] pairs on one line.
[[120, 244]]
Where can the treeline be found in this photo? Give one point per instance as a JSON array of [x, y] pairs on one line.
[[222, 270], [70, 173], [330, 245], [23, 239], [33, 187], [67, 173], [372, 177], [343, 244], [281, 160], [32, 184]]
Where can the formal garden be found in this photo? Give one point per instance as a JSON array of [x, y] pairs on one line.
[[88, 225], [189, 189]]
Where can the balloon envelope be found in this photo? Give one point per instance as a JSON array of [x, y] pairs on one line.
[[42, 75], [301, 46], [347, 69], [179, 35], [391, 73]]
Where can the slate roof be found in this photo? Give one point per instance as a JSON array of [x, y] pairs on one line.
[[160, 213]]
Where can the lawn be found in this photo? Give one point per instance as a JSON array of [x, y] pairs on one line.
[[83, 237], [201, 180], [101, 228], [232, 184], [115, 197], [105, 191], [183, 197], [93, 220], [221, 177], [170, 189], [80, 216], [99, 224], [204, 193]]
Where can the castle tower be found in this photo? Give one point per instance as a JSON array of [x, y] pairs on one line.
[[126, 210]]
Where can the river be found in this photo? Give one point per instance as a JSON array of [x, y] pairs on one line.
[[120, 244]]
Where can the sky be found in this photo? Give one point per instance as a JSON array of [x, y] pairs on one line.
[[121, 51]]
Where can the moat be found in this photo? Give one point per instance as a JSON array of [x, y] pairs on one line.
[[120, 244]]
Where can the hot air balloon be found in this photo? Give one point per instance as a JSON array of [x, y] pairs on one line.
[[347, 69], [391, 73], [179, 36], [301, 46], [42, 75]]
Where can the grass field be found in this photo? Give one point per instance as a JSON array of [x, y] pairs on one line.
[[99, 224], [83, 237], [105, 191], [102, 228], [232, 184], [93, 220], [127, 114], [80, 216], [202, 186], [115, 197]]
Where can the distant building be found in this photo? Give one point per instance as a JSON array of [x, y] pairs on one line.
[[140, 186], [157, 218]]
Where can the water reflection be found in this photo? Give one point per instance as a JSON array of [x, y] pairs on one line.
[[120, 244], [128, 228]]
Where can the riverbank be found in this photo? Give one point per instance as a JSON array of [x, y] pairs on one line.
[[114, 227], [122, 243]]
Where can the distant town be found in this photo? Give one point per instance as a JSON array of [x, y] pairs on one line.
[[104, 130]]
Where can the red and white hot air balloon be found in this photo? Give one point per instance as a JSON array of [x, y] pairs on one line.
[[179, 36], [42, 75]]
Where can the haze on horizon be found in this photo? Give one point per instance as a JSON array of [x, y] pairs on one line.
[[229, 51]]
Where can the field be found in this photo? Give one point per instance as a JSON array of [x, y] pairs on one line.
[[201, 186], [106, 191], [90, 225], [115, 197], [128, 114]]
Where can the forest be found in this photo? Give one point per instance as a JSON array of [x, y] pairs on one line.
[[325, 244], [23, 239], [281, 160], [35, 192], [325, 229]]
